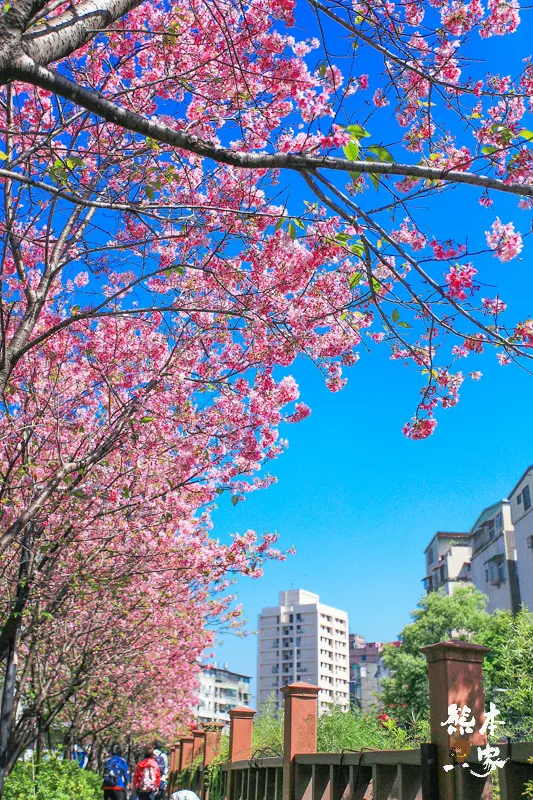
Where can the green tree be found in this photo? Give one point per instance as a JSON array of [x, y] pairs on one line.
[[437, 618], [508, 670]]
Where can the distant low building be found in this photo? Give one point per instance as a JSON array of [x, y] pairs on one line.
[[447, 561], [366, 671], [520, 500], [493, 559], [221, 690]]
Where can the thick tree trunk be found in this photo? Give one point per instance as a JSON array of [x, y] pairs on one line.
[[7, 709]]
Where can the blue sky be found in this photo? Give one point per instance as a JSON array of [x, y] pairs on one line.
[[359, 501]]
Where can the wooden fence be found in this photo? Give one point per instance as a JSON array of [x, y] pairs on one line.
[[455, 677]]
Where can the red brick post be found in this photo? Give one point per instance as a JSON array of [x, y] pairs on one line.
[[174, 765], [198, 736], [301, 702], [186, 751], [240, 733], [213, 735], [240, 739], [455, 672]]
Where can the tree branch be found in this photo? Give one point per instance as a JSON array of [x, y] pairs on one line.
[[27, 70]]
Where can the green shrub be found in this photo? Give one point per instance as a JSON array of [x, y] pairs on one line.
[[54, 780]]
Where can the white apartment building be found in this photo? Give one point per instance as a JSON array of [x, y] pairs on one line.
[[447, 561], [522, 518], [302, 639], [493, 559], [220, 690]]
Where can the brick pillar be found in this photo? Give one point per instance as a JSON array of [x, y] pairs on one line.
[[240, 733], [301, 701], [240, 739], [186, 751], [213, 735], [198, 742], [174, 765], [455, 672]]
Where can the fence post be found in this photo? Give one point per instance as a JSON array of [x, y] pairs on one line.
[[213, 735], [172, 765], [198, 736], [186, 751], [240, 739], [455, 672], [240, 733], [301, 706]]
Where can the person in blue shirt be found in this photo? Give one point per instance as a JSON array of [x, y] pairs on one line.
[[162, 762], [116, 776], [79, 755]]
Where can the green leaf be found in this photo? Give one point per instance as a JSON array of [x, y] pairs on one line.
[[149, 192], [374, 179], [355, 279], [298, 223], [292, 230], [382, 153], [322, 70], [395, 315], [144, 420], [358, 248], [525, 134], [404, 325], [489, 150], [75, 310], [351, 151], [357, 131], [376, 285], [3, 156], [234, 500], [354, 176], [279, 223]]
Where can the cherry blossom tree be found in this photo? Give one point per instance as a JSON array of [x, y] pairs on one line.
[[158, 281]]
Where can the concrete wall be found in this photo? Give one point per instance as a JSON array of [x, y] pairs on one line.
[[523, 528]]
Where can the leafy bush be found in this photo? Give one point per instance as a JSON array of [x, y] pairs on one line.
[[267, 738], [55, 779], [339, 730]]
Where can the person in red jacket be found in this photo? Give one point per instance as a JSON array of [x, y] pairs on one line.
[[147, 777]]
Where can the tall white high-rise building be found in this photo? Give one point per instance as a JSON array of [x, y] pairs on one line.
[[304, 640]]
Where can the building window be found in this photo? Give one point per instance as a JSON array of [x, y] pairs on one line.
[[527, 498], [498, 520], [430, 556], [519, 499]]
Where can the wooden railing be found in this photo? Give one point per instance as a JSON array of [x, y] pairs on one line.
[[455, 676]]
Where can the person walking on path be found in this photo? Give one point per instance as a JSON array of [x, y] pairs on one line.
[[116, 776], [162, 762], [147, 777]]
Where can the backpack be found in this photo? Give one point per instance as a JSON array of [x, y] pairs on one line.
[[114, 773], [147, 783], [160, 758]]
